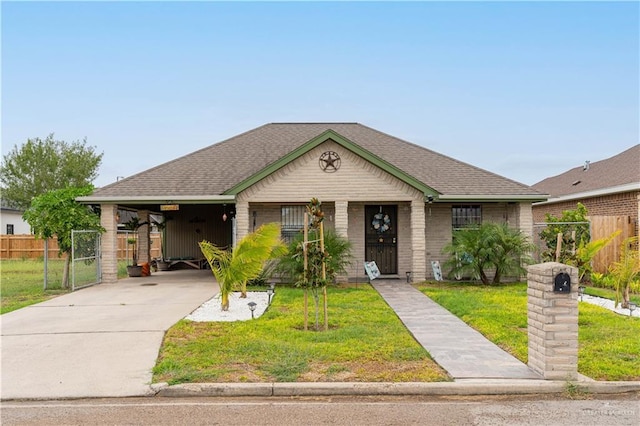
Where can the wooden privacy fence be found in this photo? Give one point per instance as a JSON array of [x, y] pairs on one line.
[[28, 247], [603, 227]]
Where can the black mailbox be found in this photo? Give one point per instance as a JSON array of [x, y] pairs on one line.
[[562, 283]]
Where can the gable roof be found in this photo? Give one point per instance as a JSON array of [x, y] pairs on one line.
[[616, 174], [219, 171]]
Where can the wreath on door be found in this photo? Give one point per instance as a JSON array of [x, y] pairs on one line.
[[381, 222]]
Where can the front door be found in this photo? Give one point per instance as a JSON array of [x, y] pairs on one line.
[[381, 237]]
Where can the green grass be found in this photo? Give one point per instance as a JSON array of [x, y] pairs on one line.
[[609, 294], [22, 281], [609, 346], [365, 342]]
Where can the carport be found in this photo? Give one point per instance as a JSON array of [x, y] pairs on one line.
[[188, 220]]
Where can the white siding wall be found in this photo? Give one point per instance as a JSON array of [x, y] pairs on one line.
[[11, 217]]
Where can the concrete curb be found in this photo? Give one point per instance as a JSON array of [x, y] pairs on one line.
[[461, 387]]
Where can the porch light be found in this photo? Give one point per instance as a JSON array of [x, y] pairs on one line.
[[224, 215], [252, 307], [581, 289], [632, 307]]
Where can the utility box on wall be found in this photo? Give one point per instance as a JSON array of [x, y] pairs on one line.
[[552, 318]]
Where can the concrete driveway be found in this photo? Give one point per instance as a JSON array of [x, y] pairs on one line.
[[97, 342]]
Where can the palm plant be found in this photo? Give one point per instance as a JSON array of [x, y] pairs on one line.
[[474, 251], [626, 270], [511, 248], [585, 254], [133, 225], [232, 269]]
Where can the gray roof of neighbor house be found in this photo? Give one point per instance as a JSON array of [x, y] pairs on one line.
[[216, 169], [613, 174], [4, 205]]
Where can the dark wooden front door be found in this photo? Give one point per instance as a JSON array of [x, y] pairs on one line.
[[381, 237]]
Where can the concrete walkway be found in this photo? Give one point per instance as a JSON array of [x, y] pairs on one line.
[[459, 349], [100, 341]]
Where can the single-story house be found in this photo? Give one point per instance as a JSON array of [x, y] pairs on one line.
[[397, 202], [609, 187], [12, 222]]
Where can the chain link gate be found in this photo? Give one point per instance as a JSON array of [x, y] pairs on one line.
[[546, 243], [85, 259]]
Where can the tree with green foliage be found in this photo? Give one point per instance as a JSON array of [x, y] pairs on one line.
[[56, 213], [338, 260], [314, 265], [40, 166], [234, 268], [491, 246], [574, 227]]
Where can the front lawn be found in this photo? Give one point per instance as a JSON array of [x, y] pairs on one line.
[[609, 344], [22, 281], [365, 342]]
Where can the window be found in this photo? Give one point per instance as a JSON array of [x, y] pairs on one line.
[[466, 216], [9, 229], [292, 221]]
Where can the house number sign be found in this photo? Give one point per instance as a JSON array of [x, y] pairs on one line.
[[329, 161]]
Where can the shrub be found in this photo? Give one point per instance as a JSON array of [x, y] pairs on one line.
[[494, 246]]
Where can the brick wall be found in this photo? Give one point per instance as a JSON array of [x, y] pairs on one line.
[[623, 204]]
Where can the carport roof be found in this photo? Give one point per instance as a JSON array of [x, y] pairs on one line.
[[221, 170]]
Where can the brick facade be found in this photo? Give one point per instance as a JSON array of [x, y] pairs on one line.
[[423, 228], [621, 204]]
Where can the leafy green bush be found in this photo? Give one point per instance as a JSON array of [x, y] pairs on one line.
[[574, 227]]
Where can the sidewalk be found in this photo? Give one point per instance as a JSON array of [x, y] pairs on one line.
[[459, 349]]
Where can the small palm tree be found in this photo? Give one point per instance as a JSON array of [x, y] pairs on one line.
[[511, 248], [234, 268], [495, 246], [626, 270], [585, 254]]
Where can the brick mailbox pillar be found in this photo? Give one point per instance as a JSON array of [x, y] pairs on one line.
[[553, 320]]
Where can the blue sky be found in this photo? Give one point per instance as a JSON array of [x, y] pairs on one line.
[[525, 90]]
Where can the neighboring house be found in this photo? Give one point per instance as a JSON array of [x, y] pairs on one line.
[[398, 203], [608, 187], [11, 222]]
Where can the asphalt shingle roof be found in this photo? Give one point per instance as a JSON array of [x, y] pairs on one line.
[[215, 169], [621, 169]]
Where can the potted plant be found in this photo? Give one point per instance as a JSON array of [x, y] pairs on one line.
[[134, 270], [161, 263]]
